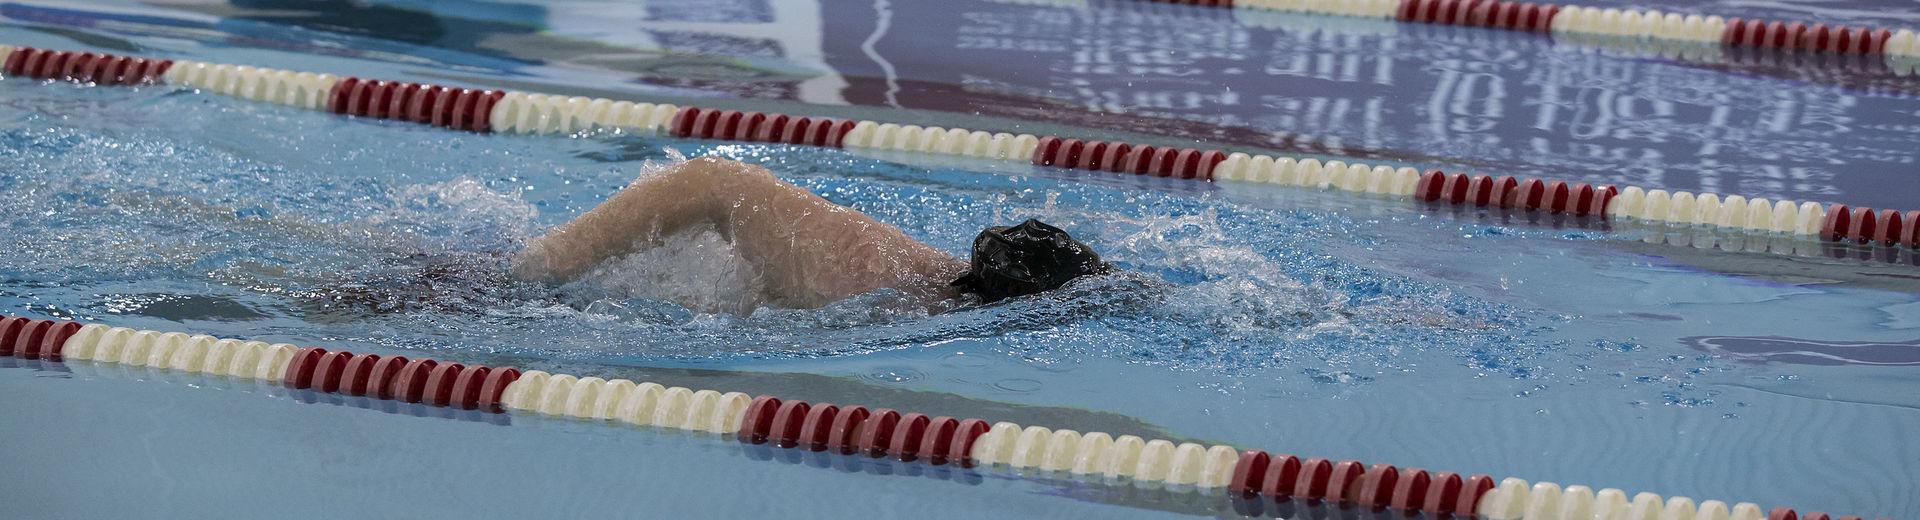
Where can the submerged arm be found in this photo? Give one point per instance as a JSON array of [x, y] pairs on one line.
[[807, 251]]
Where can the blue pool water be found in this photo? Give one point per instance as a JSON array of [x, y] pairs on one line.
[[1265, 317]]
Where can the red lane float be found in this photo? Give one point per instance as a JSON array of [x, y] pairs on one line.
[[1184, 163], [9, 331], [734, 125], [1863, 225], [447, 107], [1783, 513], [1517, 16], [1286, 477], [34, 339], [1579, 199], [1819, 37], [856, 430], [493, 387], [423, 381], [91, 67]]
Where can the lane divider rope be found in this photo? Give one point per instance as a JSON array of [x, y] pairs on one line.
[[423, 381], [1631, 23], [1516, 499], [1099, 455], [1289, 171], [1556, 197], [1185, 163], [856, 430], [1645, 34], [1249, 477], [639, 404], [1517, 16], [543, 114], [1863, 225], [456, 108], [734, 125], [179, 351], [1690, 37], [934, 139], [34, 339], [1280, 477], [90, 67], [295, 89], [481, 110]]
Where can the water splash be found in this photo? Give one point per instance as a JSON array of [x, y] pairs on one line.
[[458, 215], [697, 268]]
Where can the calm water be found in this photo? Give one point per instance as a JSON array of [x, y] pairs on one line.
[[1282, 319]]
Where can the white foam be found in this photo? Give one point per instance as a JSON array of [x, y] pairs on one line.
[[697, 268], [460, 212]]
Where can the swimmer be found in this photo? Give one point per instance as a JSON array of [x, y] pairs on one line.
[[806, 252]]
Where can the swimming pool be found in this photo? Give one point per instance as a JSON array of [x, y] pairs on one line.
[[1307, 321]]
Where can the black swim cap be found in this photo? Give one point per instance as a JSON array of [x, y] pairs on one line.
[[1026, 259]]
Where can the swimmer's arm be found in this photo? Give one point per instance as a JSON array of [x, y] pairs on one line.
[[637, 217], [806, 250]]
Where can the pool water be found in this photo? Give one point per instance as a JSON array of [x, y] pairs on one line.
[[1265, 317]]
